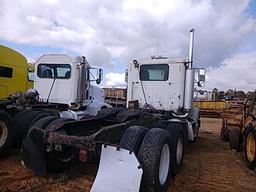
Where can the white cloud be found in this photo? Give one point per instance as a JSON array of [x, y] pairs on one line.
[[134, 28], [130, 29], [97, 54], [115, 80], [237, 72]]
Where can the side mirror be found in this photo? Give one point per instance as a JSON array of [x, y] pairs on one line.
[[99, 76], [201, 77]]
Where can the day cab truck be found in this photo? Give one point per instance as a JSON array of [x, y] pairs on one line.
[[16, 74], [139, 146], [63, 87]]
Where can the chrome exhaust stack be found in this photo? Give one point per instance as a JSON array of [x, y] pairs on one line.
[[189, 79], [191, 49], [81, 82]]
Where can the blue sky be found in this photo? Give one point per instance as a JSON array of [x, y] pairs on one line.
[[251, 44], [111, 34], [252, 8], [30, 50]]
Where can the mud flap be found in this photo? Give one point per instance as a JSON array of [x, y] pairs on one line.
[[119, 171], [33, 152]]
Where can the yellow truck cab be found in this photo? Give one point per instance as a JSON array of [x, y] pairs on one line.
[[15, 72]]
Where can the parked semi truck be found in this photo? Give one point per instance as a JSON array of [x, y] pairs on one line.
[[63, 88], [15, 72], [139, 146]]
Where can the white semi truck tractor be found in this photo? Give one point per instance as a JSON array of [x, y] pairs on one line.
[[140, 146], [63, 87], [163, 87]]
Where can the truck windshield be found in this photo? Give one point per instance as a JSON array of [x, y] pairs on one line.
[[154, 72], [31, 76], [59, 71]]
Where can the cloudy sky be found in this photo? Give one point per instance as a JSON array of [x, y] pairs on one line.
[[110, 33]]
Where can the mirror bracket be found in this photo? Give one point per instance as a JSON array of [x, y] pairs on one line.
[[200, 76]]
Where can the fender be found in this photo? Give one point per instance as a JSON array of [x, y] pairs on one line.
[[191, 136], [195, 112], [184, 124], [33, 152]]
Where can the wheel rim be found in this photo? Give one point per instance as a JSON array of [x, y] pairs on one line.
[[164, 164], [65, 155], [179, 152], [250, 146], [3, 133]]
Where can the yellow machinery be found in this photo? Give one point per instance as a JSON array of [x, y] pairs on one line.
[[210, 104], [15, 72], [249, 134], [239, 124]]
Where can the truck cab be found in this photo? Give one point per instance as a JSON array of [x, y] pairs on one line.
[[16, 75], [66, 80], [162, 84], [158, 82]]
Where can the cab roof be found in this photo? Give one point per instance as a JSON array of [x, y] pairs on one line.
[[159, 61], [10, 57]]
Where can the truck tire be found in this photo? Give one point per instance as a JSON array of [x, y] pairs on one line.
[[177, 146], [155, 158], [57, 161], [7, 131], [234, 139], [43, 122], [19, 120], [250, 148], [51, 125], [19, 115], [38, 117], [132, 138], [24, 125]]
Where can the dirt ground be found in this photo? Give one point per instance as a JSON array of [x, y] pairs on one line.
[[209, 165]]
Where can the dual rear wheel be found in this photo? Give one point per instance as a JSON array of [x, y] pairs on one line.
[[25, 120], [159, 151]]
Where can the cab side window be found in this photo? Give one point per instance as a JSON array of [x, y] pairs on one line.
[[6, 72]]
